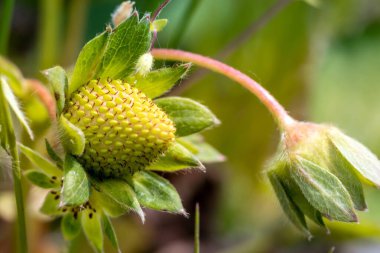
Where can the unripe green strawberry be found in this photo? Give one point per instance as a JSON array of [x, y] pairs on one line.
[[124, 130]]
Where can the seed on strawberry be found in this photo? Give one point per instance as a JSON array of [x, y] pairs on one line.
[[124, 130]]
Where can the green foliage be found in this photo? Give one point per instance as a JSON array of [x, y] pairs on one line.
[[40, 162], [92, 228], [158, 25], [58, 82], [118, 197], [189, 116], [156, 193], [13, 74], [160, 81], [110, 232], [53, 155], [72, 138], [176, 158], [324, 191], [51, 204], [76, 186], [41, 179], [70, 226]]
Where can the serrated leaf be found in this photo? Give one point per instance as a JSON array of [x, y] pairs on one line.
[[126, 43], [14, 105], [92, 228], [119, 195], [76, 187], [53, 155], [158, 25], [324, 191], [190, 117], [72, 138], [42, 180], [346, 173], [70, 226], [14, 76], [361, 158], [40, 162], [157, 82], [51, 203], [58, 82], [156, 193], [110, 232], [88, 62], [290, 208], [202, 150], [177, 157]]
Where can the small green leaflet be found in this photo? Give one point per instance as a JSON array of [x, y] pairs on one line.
[[160, 81], [58, 82], [42, 180], [72, 138], [70, 226], [51, 204], [189, 116], [92, 228], [156, 193], [76, 187], [110, 232]]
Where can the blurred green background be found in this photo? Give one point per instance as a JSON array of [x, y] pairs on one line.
[[322, 63]]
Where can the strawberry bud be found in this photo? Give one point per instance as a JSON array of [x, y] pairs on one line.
[[124, 130]]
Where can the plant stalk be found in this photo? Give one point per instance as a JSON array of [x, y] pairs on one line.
[[5, 24], [196, 230], [275, 108]]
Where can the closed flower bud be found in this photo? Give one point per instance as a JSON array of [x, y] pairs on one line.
[[318, 171]]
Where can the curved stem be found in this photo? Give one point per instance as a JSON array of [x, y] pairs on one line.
[[276, 109]]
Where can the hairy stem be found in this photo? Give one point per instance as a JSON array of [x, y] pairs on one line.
[[278, 112], [5, 24]]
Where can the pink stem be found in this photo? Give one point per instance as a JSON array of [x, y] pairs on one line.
[[276, 109]]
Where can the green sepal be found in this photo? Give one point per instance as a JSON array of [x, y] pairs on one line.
[[70, 226], [156, 192], [117, 197], [53, 155], [88, 62], [160, 81], [72, 138], [92, 228], [158, 25], [42, 180], [291, 210], [110, 232], [324, 191], [177, 157], [76, 186], [58, 82], [189, 116], [361, 158], [7, 95], [39, 161], [126, 43], [51, 203], [14, 76], [202, 150], [7, 135]]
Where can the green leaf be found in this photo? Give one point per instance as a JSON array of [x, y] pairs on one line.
[[160, 81], [361, 158], [324, 191], [40, 162], [12, 102], [189, 116], [118, 197], [346, 173], [14, 76], [88, 61], [58, 82], [53, 155], [158, 25], [126, 43], [290, 208], [42, 180], [156, 193], [76, 187], [51, 204], [110, 232], [72, 137], [92, 228], [177, 157], [201, 149], [70, 226], [7, 135]]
